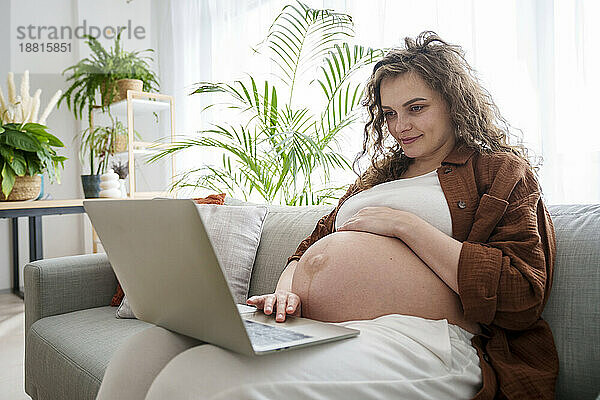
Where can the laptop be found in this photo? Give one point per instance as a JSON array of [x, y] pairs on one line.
[[164, 260]]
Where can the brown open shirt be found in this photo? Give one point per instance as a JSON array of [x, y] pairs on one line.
[[505, 267]]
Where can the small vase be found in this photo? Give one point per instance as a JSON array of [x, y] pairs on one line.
[[109, 185], [123, 188], [91, 186], [41, 195]]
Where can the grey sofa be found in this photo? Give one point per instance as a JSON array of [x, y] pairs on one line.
[[71, 333]]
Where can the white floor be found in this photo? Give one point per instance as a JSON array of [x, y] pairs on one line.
[[12, 348]]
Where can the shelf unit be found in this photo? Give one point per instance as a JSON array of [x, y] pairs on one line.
[[141, 103]]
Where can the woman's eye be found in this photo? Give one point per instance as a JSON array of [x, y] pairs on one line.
[[416, 108], [388, 114]]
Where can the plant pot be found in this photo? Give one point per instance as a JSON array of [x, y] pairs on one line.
[[25, 188], [105, 93], [129, 84], [41, 195], [120, 144], [91, 186]]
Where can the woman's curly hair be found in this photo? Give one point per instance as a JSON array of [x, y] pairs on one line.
[[476, 118]]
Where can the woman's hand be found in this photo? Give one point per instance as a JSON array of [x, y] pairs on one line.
[[285, 301], [383, 221], [436, 249]]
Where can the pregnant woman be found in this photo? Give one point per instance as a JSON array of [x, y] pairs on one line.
[[441, 253]]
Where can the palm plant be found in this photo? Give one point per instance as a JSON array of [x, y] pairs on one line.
[[279, 148]]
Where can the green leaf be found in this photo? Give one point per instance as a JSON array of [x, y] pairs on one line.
[[50, 139], [19, 165], [21, 140], [34, 166], [40, 131], [7, 153], [297, 26], [8, 179], [34, 128]]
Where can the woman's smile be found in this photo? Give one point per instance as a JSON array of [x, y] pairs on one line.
[[411, 139]]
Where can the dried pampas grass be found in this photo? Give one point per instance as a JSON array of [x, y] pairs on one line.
[[23, 108]]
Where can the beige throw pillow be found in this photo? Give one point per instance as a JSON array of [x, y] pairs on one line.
[[234, 232]]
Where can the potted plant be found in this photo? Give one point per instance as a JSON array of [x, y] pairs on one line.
[[26, 151], [99, 144], [122, 169], [99, 73], [26, 148], [281, 146]]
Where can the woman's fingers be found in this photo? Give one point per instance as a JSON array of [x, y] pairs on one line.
[[293, 301], [282, 303], [264, 302], [269, 303], [256, 301]]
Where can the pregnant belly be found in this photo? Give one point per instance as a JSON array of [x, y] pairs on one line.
[[356, 275]]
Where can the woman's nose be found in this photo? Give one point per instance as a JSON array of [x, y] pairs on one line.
[[402, 124]]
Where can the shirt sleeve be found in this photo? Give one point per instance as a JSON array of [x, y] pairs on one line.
[[324, 227], [506, 280]]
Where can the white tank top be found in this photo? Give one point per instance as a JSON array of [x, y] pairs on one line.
[[421, 195]]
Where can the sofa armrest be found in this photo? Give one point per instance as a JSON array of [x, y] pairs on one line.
[[61, 285]]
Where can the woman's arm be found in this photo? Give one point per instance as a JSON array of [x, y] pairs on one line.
[[507, 279], [436, 249], [285, 280], [439, 251], [283, 301]]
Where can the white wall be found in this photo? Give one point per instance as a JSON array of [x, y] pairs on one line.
[[63, 235]]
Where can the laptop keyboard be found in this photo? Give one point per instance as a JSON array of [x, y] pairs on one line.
[[264, 335]]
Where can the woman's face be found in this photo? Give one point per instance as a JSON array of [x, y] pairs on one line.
[[418, 118]]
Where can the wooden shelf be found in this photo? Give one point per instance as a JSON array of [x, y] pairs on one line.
[[145, 148], [142, 107], [141, 103]]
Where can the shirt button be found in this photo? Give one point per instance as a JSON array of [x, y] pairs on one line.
[[462, 204], [447, 170]]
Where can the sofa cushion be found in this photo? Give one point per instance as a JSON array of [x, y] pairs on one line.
[[572, 310], [77, 345], [235, 233]]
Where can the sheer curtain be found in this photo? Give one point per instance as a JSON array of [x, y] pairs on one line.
[[539, 60], [205, 40]]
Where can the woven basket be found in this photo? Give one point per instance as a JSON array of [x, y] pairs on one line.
[[104, 92], [128, 84], [25, 188], [120, 144]]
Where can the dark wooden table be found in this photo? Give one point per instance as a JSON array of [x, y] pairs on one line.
[[34, 210]]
